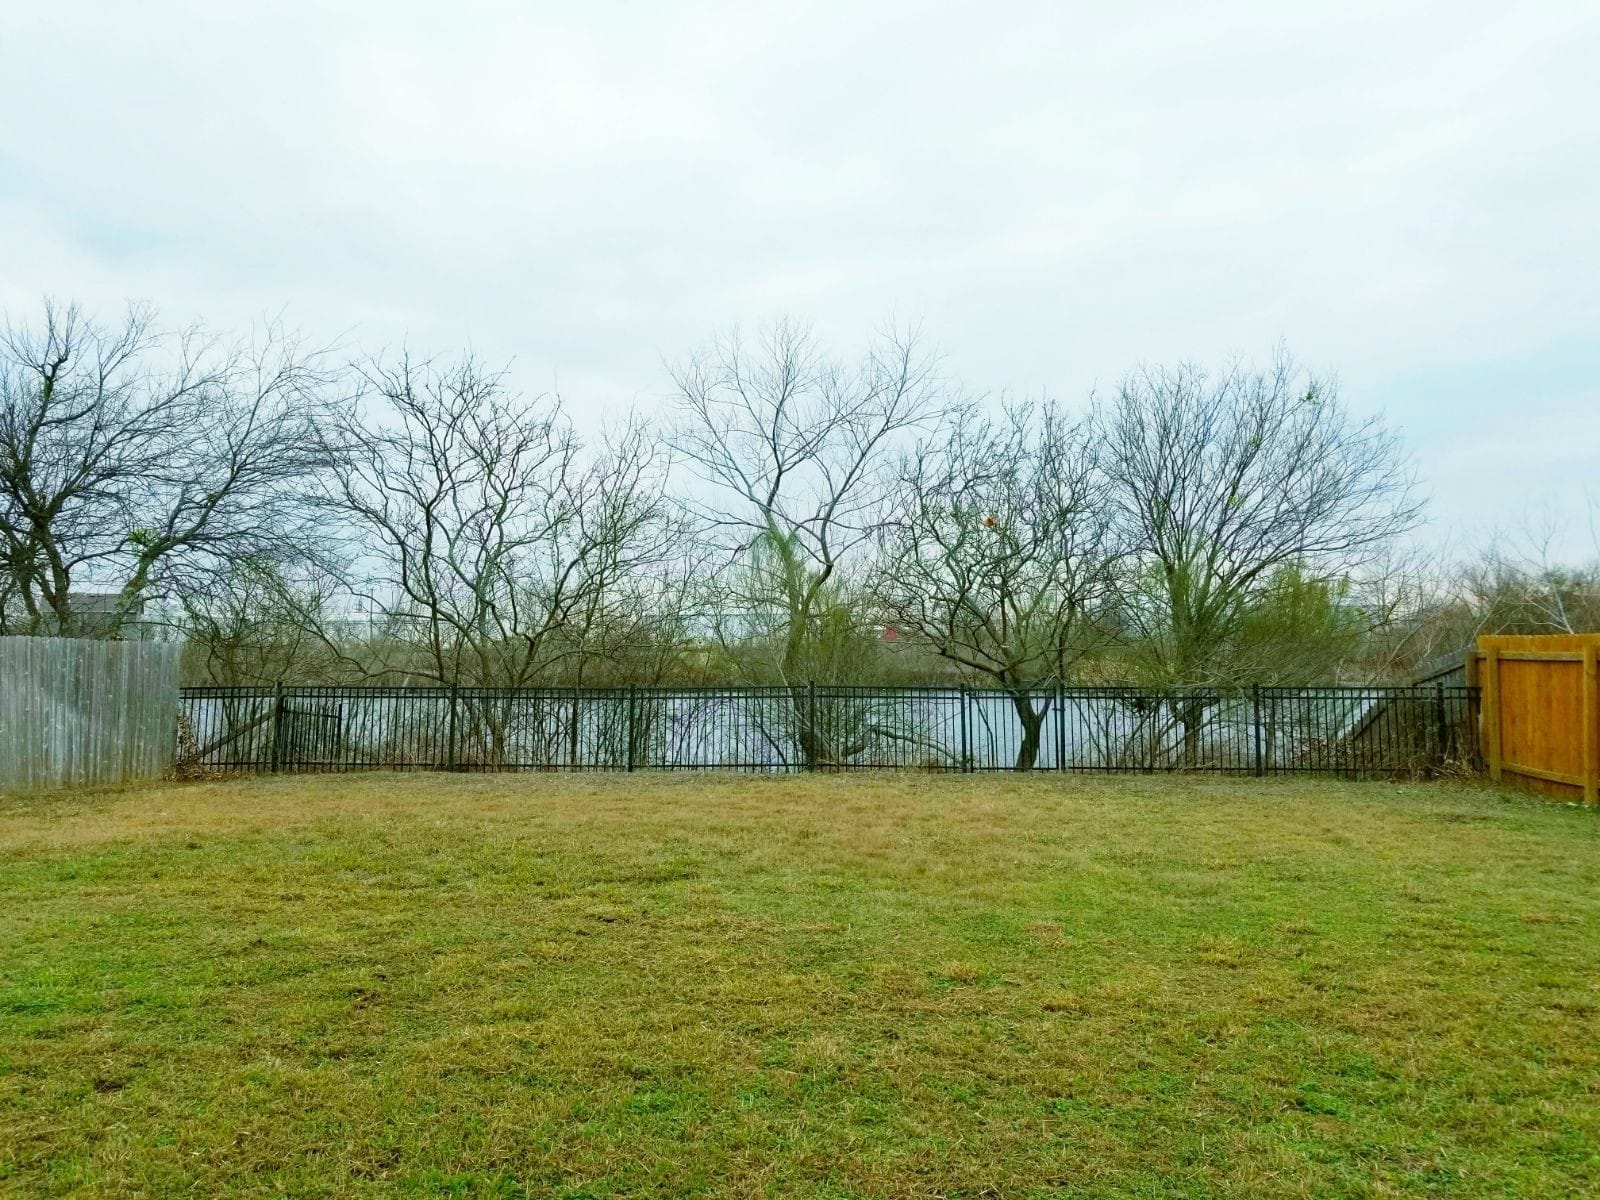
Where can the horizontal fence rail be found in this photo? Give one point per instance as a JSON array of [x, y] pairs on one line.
[[1350, 731]]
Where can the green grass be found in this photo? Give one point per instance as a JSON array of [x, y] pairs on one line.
[[825, 987]]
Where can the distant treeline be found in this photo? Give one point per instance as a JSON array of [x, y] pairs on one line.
[[795, 514]]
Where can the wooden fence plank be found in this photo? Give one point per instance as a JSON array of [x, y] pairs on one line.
[[1491, 711], [1591, 725]]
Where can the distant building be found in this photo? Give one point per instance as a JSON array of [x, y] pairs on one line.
[[97, 613], [94, 614]]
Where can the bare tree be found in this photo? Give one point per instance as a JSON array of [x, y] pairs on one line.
[[999, 554], [485, 539], [642, 627], [135, 460], [640, 578], [789, 444], [262, 620], [1222, 482], [1407, 600], [1521, 583]]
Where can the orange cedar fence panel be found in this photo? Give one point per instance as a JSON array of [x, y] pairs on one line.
[[1541, 711]]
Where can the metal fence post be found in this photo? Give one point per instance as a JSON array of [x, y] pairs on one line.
[[633, 694], [1255, 725], [1061, 728], [966, 743], [450, 751], [275, 752], [572, 739], [1472, 713], [810, 747], [1443, 722]]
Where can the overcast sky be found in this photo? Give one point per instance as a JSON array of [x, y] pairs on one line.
[[1407, 194]]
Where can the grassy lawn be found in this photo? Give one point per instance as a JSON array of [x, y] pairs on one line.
[[875, 986]]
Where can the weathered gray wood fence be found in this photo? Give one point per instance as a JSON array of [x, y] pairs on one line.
[[75, 711]]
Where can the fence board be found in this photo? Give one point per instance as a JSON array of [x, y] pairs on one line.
[[77, 712]]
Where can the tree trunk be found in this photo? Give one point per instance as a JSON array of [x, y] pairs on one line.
[[1032, 727], [807, 734], [1192, 716]]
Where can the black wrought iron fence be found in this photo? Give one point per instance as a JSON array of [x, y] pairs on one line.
[[1354, 731]]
